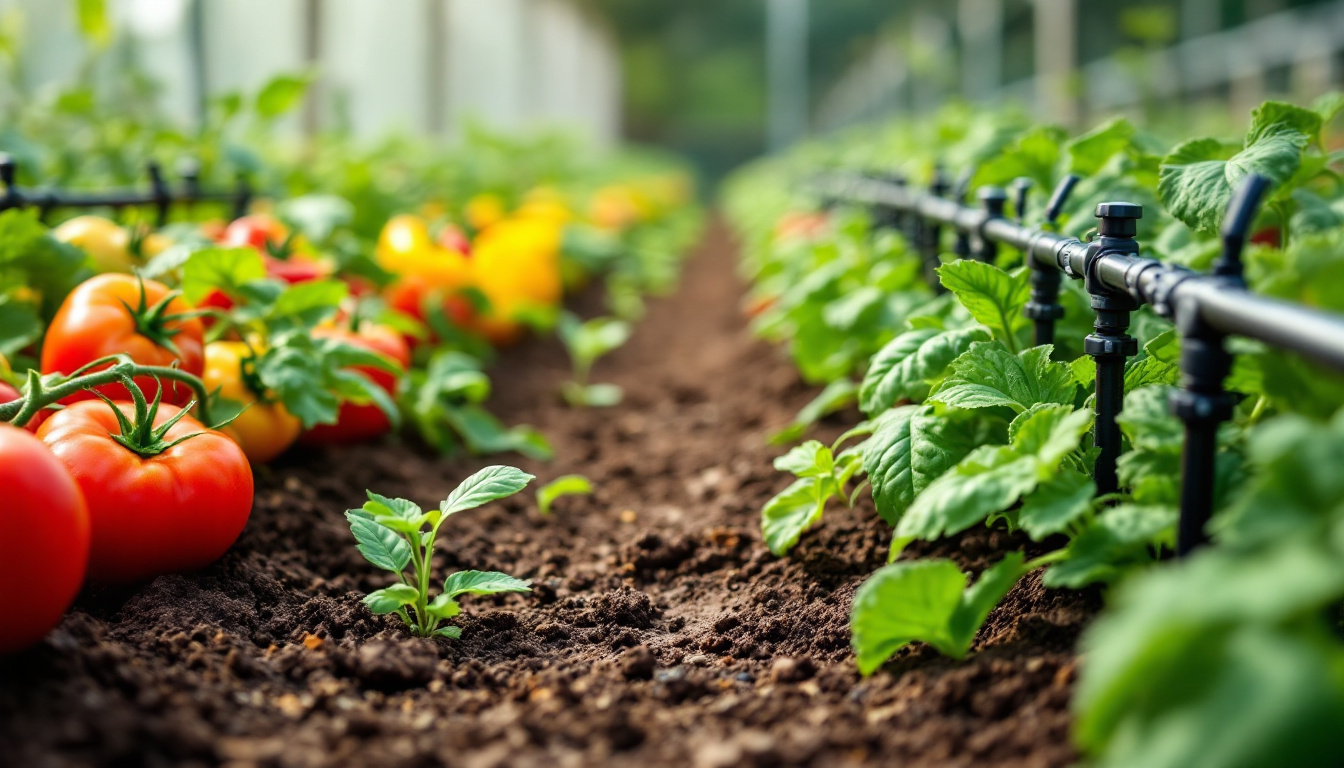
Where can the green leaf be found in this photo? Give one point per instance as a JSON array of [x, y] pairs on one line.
[[390, 599], [565, 485], [902, 603], [485, 486], [1273, 117], [483, 433], [304, 305], [1146, 421], [444, 607], [1089, 152], [981, 598], [222, 269], [20, 325], [379, 544], [990, 479], [592, 395], [1117, 539], [925, 601], [483, 583], [281, 94], [590, 340], [1198, 177], [811, 459], [1049, 432], [791, 512], [402, 508], [94, 22], [1056, 504], [910, 363], [993, 297], [452, 633], [988, 375]]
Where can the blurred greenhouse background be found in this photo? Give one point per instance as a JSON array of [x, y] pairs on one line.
[[718, 80]]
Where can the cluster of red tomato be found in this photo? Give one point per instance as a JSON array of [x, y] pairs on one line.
[[114, 491]]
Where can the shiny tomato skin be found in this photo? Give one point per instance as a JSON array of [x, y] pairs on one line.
[[179, 510], [356, 423], [295, 269], [93, 322], [257, 230], [44, 539], [8, 393]]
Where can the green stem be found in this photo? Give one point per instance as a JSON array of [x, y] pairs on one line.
[[1049, 558], [38, 396], [1261, 403]]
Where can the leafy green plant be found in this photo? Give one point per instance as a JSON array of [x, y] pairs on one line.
[[395, 534], [587, 341]]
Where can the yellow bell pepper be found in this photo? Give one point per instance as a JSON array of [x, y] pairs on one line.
[[407, 249], [265, 429], [516, 264]]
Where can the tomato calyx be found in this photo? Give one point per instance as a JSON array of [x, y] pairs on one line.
[[41, 392], [152, 321], [138, 433]]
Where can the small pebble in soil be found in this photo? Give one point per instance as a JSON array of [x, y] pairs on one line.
[[791, 670], [638, 663]]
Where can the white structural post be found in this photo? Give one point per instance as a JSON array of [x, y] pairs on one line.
[[1056, 43], [980, 25], [786, 67]]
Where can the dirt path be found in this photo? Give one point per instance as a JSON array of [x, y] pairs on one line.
[[660, 632]]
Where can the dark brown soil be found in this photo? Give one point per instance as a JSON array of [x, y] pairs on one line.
[[660, 632]]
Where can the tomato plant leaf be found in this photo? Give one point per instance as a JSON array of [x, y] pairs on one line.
[[391, 598], [1197, 177], [483, 583], [990, 479], [220, 269], [485, 486], [379, 544], [811, 459]]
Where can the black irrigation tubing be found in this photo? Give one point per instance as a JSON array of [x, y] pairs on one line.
[[1206, 308], [158, 195]]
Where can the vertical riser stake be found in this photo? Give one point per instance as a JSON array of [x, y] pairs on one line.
[[1110, 346], [1202, 403]]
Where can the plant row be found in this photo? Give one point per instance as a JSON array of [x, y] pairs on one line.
[[1231, 657], [144, 371]]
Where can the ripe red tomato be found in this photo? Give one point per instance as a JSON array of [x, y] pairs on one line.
[[94, 322], [8, 393], [410, 294], [44, 539], [259, 230], [176, 510], [362, 422]]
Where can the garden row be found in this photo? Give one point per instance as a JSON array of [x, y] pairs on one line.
[[908, 306], [146, 367]]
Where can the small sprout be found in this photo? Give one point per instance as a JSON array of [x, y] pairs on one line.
[[565, 485], [587, 341], [395, 533]]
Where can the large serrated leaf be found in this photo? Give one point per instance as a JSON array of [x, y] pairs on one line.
[[993, 297], [991, 479], [987, 375], [904, 368]]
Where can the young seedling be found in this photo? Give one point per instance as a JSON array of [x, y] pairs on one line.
[[395, 534], [586, 342], [565, 485]]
